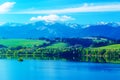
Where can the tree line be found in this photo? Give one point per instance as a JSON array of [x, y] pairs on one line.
[[68, 54]]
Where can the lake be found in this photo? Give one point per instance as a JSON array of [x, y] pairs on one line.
[[57, 70]]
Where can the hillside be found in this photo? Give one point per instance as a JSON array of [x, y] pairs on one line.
[[114, 46]]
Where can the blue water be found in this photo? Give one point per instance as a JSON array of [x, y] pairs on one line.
[[57, 70]]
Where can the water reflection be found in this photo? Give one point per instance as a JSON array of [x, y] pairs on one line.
[[94, 59]]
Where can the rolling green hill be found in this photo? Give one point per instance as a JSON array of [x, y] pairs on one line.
[[21, 42], [114, 46]]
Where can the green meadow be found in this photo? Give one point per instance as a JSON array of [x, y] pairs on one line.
[[21, 42], [113, 46]]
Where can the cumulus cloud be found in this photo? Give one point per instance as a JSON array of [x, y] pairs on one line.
[[85, 8], [5, 7], [52, 18]]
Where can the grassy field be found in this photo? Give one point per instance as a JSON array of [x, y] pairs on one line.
[[21, 42], [114, 46], [58, 45]]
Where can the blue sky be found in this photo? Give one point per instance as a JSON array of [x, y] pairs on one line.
[[75, 11]]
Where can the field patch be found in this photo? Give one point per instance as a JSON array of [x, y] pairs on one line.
[[21, 42]]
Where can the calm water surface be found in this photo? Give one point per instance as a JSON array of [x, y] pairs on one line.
[[57, 70]]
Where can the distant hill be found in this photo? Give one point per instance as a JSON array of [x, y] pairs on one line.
[[62, 30]]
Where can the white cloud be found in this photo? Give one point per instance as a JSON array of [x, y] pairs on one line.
[[5, 7], [85, 8], [52, 18]]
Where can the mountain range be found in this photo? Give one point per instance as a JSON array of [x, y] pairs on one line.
[[62, 30]]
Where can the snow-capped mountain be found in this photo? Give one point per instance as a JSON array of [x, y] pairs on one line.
[[51, 30]]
